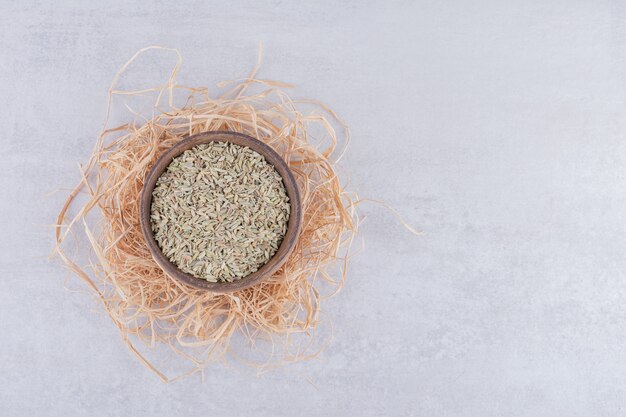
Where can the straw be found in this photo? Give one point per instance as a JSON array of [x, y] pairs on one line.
[[149, 307]]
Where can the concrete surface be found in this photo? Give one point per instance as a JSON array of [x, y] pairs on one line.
[[498, 128]]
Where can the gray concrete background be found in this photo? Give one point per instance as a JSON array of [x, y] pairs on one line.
[[497, 128]]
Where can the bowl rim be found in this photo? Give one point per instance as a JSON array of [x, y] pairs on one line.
[[293, 226]]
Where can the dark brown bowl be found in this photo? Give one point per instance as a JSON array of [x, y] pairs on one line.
[[293, 226]]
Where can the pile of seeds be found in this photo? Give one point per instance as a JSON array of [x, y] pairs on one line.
[[219, 211]]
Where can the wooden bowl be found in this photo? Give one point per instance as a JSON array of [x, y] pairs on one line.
[[293, 226]]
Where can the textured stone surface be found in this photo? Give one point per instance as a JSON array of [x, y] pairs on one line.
[[497, 128]]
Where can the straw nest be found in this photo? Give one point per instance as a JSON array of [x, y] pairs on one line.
[[150, 308]]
